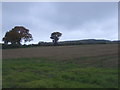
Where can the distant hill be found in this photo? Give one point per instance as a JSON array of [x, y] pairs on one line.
[[89, 41], [64, 43]]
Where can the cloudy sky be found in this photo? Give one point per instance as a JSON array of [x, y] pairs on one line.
[[75, 20]]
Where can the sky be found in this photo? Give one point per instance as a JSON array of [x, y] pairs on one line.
[[75, 20]]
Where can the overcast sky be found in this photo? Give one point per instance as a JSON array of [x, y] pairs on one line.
[[75, 20]]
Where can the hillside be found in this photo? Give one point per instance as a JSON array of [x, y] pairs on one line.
[[78, 66], [62, 52]]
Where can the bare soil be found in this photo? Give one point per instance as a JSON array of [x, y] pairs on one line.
[[62, 52]]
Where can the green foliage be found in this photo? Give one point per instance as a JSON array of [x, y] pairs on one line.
[[45, 73], [15, 35], [55, 36]]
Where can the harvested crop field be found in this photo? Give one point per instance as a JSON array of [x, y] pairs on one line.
[[83, 66], [62, 52]]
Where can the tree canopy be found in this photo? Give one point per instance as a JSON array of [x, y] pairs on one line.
[[17, 34], [55, 36]]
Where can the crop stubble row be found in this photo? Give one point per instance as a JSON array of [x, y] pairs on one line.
[[61, 52]]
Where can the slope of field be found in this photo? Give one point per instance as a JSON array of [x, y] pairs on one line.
[[83, 66], [43, 73], [62, 52]]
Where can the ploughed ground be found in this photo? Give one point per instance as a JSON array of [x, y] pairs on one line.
[[62, 52]]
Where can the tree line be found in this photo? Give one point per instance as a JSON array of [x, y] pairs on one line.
[[20, 33]]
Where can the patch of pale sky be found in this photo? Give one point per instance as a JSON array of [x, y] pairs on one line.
[[75, 20]]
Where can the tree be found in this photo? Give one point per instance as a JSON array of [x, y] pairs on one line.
[[55, 36], [17, 34]]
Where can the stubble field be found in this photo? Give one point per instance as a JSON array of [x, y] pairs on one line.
[[81, 66], [62, 52]]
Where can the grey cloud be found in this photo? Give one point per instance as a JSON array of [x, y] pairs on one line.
[[74, 20], [71, 15]]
